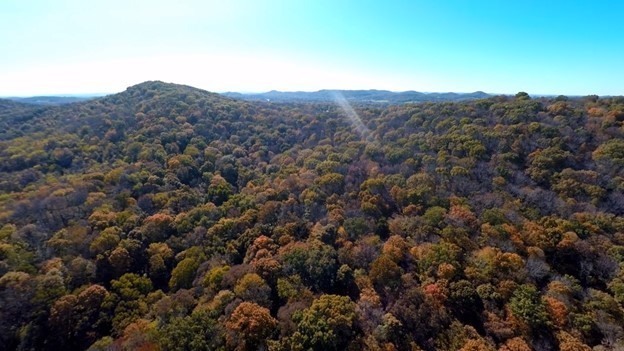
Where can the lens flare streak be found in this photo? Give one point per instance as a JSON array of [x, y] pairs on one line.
[[352, 116]]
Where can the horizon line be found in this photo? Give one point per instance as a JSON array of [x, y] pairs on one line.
[[243, 92]]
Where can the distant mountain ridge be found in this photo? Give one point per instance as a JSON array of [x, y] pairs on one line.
[[52, 100], [363, 96], [372, 96]]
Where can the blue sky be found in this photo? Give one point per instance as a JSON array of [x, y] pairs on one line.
[[542, 47]]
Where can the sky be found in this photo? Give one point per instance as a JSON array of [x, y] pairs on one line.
[[554, 47]]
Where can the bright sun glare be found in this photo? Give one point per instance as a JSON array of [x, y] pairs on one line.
[[352, 116]]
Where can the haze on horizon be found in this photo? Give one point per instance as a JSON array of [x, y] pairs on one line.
[[78, 47]]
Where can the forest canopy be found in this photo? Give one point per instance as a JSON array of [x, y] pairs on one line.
[[170, 218]]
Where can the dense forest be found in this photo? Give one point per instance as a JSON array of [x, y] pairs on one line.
[[170, 218]]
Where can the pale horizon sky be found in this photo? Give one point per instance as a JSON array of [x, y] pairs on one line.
[[541, 47]]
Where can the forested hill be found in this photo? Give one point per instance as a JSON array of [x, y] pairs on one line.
[[170, 218], [113, 113]]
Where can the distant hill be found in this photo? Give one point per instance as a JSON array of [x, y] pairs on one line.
[[52, 100], [17, 111], [18, 118], [8, 104], [363, 96]]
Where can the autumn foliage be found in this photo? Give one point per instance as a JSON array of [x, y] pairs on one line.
[[169, 218]]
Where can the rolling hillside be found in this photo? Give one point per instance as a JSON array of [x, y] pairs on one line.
[[167, 217]]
